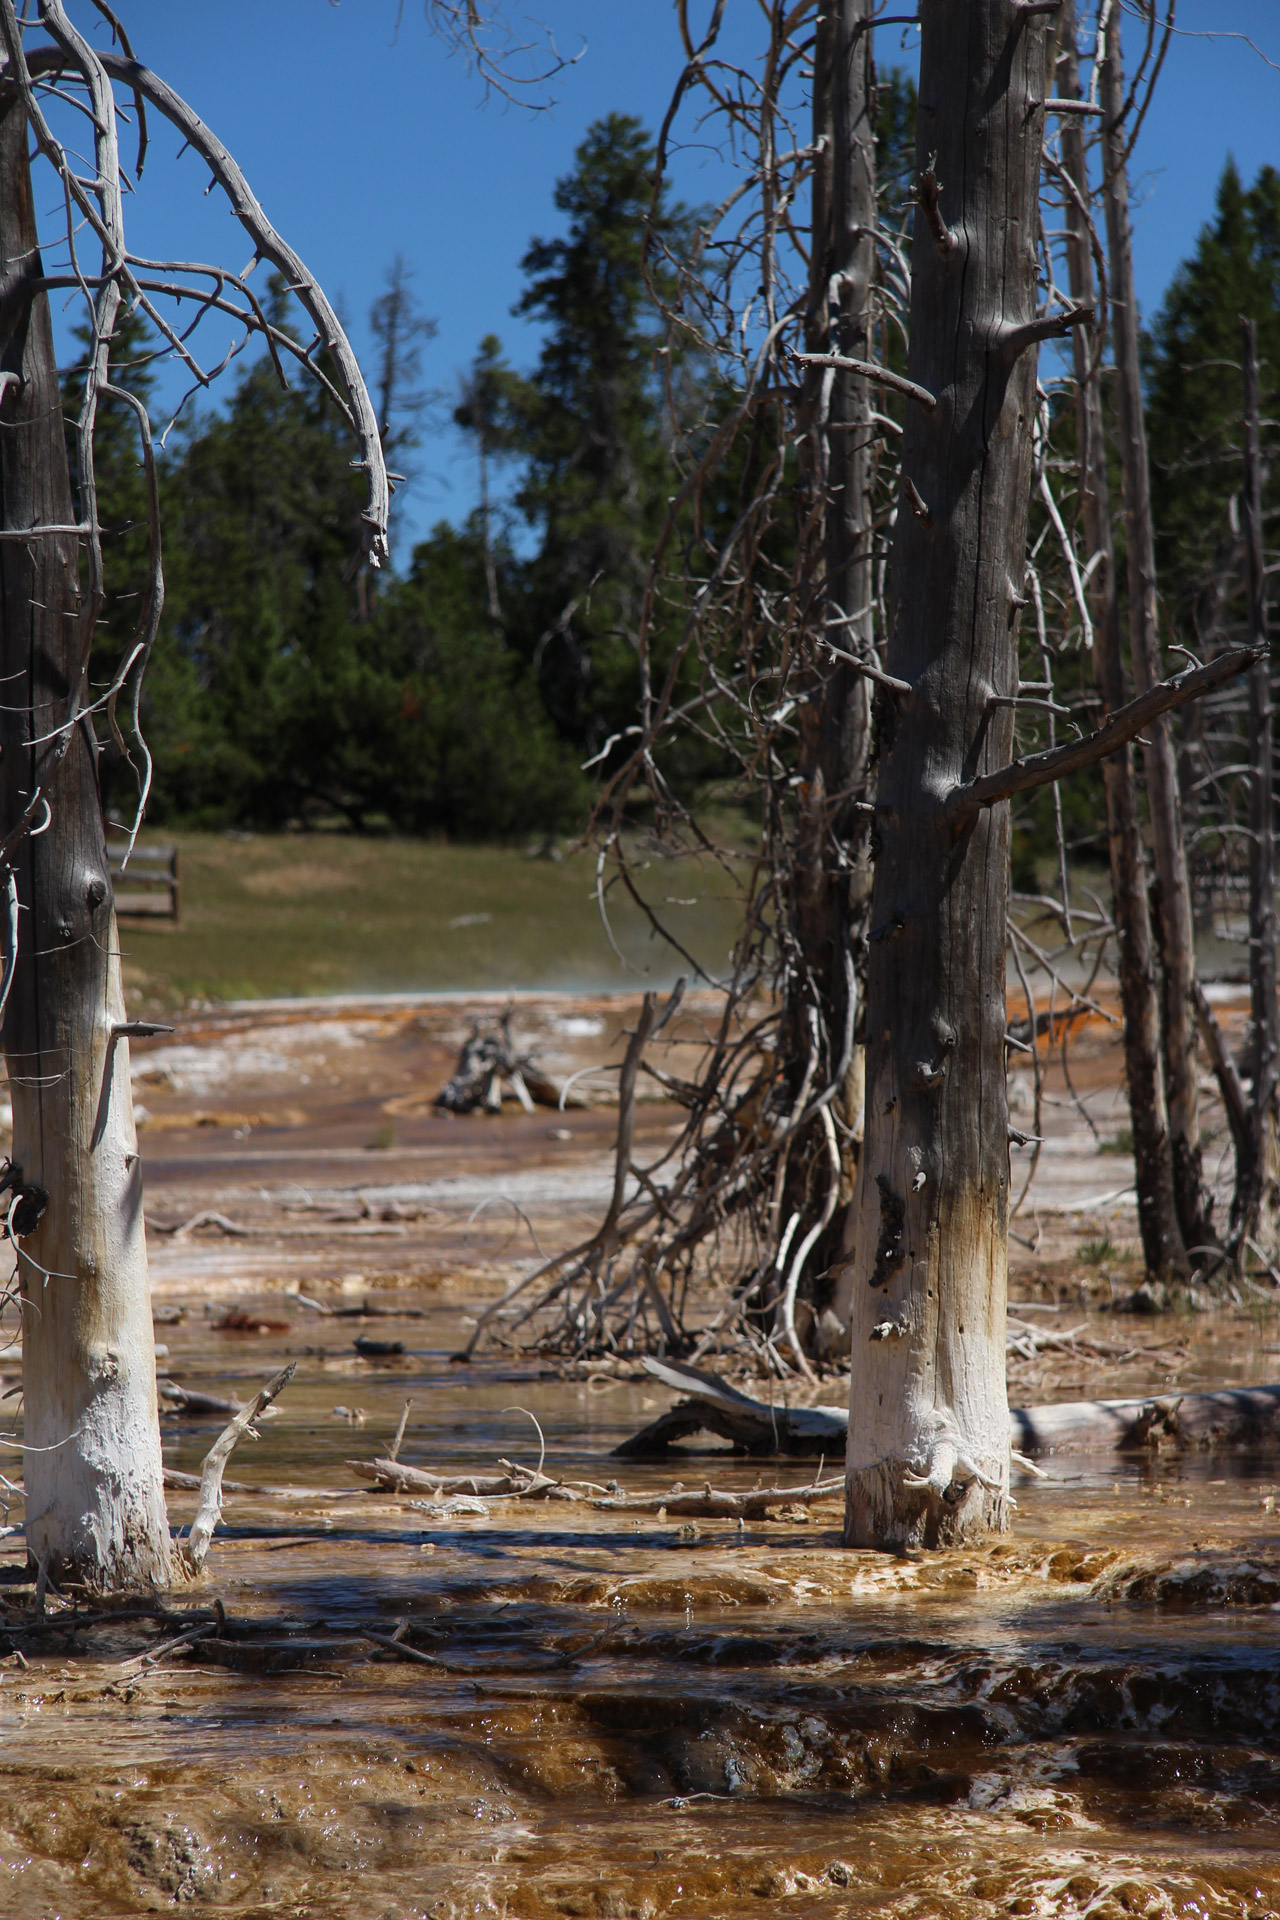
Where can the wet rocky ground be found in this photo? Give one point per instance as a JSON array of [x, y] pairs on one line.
[[394, 1707]]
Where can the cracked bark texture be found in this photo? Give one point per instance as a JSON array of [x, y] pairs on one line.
[[928, 1459], [95, 1506], [1163, 1248]]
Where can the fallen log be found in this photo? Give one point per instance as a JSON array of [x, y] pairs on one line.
[[365, 1311], [752, 1425], [712, 1504], [1233, 1416], [520, 1485]]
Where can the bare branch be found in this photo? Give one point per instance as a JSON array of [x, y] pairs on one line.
[[1021, 776], [269, 244], [209, 1510], [869, 371]]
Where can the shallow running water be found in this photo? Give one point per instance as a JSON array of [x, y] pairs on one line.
[[635, 1716], [629, 1716]]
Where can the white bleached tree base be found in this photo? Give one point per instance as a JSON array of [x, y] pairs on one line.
[[95, 1507]]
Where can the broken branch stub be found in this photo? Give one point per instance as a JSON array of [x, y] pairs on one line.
[[195, 1548]]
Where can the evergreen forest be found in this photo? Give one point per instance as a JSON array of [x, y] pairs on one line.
[[463, 691]]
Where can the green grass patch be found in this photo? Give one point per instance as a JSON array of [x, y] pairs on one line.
[[271, 915]]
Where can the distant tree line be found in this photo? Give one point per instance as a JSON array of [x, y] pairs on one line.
[[463, 693]]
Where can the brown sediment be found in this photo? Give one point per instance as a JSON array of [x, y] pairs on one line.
[[621, 1713]]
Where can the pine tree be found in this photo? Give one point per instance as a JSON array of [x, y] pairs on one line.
[[590, 428], [258, 669], [1193, 398]]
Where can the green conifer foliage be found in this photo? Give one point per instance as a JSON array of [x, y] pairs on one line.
[[590, 427], [1194, 399]]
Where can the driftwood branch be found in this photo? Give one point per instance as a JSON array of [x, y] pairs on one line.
[[519, 1483], [195, 1548], [1040, 769], [713, 1504]]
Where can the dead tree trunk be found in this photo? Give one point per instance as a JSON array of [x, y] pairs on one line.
[[95, 1505], [833, 879], [831, 869], [1257, 1197], [1177, 927], [928, 1457], [1162, 1244]]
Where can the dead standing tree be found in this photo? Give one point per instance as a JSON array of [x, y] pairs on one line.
[[1163, 1247], [780, 631], [838, 443], [93, 1485], [1176, 922], [928, 1457], [758, 636], [1239, 748], [1256, 1208]]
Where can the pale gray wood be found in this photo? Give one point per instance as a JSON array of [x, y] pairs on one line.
[[94, 1494]]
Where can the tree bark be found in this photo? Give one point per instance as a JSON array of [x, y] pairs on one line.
[[1177, 927], [95, 1507], [928, 1458], [1162, 1243], [1257, 1198], [832, 864]]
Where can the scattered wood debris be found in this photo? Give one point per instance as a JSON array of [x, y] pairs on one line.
[[185, 1400], [490, 1062]]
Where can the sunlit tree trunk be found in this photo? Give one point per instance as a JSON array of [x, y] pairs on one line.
[[928, 1457], [1162, 1243], [1176, 924], [95, 1507]]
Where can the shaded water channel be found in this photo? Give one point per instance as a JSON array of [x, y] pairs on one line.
[[631, 1716]]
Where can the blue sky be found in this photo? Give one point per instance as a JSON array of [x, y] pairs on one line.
[[364, 139]]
